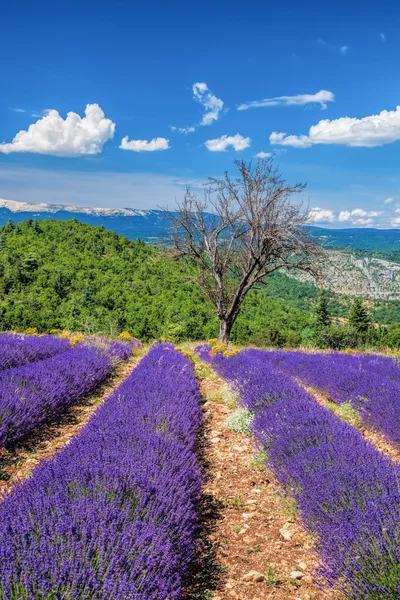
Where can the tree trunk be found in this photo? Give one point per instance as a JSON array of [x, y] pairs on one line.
[[224, 331]]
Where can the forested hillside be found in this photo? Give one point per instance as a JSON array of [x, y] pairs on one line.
[[65, 274]]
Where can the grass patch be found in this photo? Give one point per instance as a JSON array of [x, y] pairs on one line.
[[240, 421], [346, 412], [259, 461], [204, 370]]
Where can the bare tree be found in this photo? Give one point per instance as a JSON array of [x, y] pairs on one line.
[[253, 230]]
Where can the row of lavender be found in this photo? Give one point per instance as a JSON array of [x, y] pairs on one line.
[[114, 514], [17, 350], [371, 383], [40, 391], [347, 493]]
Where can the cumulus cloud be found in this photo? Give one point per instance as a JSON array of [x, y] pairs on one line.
[[388, 201], [321, 98], [322, 215], [358, 216], [144, 145], [395, 221], [263, 154], [364, 221], [383, 37], [372, 131], [72, 136], [211, 103], [344, 215], [238, 142]]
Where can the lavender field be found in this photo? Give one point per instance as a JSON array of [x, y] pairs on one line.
[[117, 512]]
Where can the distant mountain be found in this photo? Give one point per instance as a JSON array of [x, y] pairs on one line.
[[149, 225]]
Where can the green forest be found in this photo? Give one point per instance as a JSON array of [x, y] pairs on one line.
[[68, 275]]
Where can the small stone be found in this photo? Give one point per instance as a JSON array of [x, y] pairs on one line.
[[247, 515], [302, 566], [254, 576], [296, 575], [286, 534], [215, 440]]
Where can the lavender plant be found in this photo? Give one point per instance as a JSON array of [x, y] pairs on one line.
[[114, 514], [17, 350], [370, 383], [41, 391]]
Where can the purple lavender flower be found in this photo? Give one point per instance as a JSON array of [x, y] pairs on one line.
[[41, 391], [370, 383], [16, 350]]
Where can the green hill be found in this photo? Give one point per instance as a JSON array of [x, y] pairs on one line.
[[68, 275]]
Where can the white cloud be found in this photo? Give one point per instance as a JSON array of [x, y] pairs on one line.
[[213, 107], [238, 142], [19, 110], [364, 222], [144, 145], [321, 98], [383, 37], [211, 103], [186, 130], [343, 49], [395, 221], [263, 154], [388, 201], [344, 215], [358, 216], [281, 139], [372, 131], [322, 215], [73, 136]]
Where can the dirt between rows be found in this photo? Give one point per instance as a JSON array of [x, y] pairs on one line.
[[249, 525], [16, 464]]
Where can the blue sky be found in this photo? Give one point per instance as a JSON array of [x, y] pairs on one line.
[[155, 68]]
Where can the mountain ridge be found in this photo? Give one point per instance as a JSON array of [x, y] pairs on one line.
[[150, 225]]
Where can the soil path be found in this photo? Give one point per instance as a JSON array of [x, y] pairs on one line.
[[253, 528], [18, 463]]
